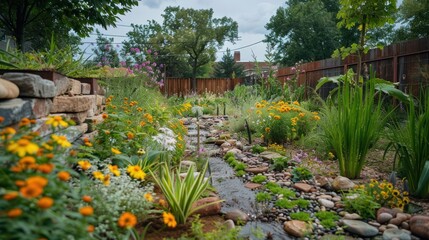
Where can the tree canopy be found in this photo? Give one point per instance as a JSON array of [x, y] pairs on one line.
[[227, 67], [306, 30], [22, 19], [414, 17]]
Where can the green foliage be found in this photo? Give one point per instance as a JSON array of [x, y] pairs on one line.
[[228, 155], [230, 160], [415, 19], [227, 67], [240, 173], [298, 30], [221, 233], [386, 194], [327, 219], [353, 126], [302, 216], [302, 203], [240, 166], [181, 193], [257, 149], [280, 163], [263, 197], [301, 173], [358, 201], [61, 17], [105, 53], [259, 178], [285, 203], [411, 145]]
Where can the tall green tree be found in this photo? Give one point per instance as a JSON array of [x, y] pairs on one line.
[[305, 30], [197, 34], [227, 67], [17, 17], [414, 17], [367, 15]]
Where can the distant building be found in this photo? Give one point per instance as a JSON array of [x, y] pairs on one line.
[[252, 69]]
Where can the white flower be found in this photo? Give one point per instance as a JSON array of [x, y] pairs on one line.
[[166, 138]]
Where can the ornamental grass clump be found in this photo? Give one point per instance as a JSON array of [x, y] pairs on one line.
[[352, 125], [36, 197], [410, 142], [181, 192]]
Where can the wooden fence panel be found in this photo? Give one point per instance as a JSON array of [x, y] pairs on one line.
[[182, 86]]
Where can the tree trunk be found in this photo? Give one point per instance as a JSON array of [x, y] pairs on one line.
[[19, 28]]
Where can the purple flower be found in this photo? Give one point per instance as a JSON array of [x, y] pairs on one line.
[[122, 63], [149, 51], [137, 50], [161, 65], [154, 64]]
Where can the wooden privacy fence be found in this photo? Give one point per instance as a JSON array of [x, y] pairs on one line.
[[406, 63], [182, 86]]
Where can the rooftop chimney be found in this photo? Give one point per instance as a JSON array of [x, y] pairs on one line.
[[237, 56]]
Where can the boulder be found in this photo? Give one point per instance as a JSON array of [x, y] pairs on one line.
[[399, 234], [341, 183], [304, 187], [8, 89], [360, 228], [269, 156], [297, 228], [209, 206], [31, 85], [419, 226], [238, 216], [13, 110], [384, 217]]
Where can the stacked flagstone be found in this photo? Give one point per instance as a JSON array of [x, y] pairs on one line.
[[28, 95]]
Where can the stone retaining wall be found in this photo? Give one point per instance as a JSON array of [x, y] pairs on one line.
[[25, 95]]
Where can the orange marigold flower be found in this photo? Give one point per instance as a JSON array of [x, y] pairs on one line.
[[142, 123], [15, 212], [169, 219], [130, 135], [104, 115], [90, 228], [46, 167], [50, 155], [86, 211], [45, 202], [24, 122], [162, 202], [10, 195], [20, 183], [37, 181], [87, 198], [31, 191], [127, 220], [1, 119], [63, 176], [27, 160]]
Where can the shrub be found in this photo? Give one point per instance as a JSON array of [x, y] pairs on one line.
[[259, 178], [301, 173], [280, 163], [303, 216], [257, 149], [263, 197], [360, 202], [228, 155]]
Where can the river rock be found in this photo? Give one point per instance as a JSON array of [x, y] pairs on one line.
[[400, 217], [252, 186], [269, 156], [229, 224], [419, 226], [352, 216], [8, 89], [304, 187], [384, 217], [399, 234], [297, 228], [341, 183], [256, 170], [326, 203], [360, 228], [238, 216], [31, 85], [392, 212], [209, 206]]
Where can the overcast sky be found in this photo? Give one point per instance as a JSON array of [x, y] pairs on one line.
[[251, 16]]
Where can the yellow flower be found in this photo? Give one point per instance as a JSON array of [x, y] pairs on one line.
[[331, 155], [136, 172], [114, 169], [148, 197], [296, 103], [141, 151], [394, 192], [301, 115], [127, 220], [277, 117], [106, 180], [56, 121], [22, 147], [61, 140], [315, 117], [267, 129], [115, 151], [148, 117], [85, 165], [169, 219], [45, 202], [98, 175], [24, 122]]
